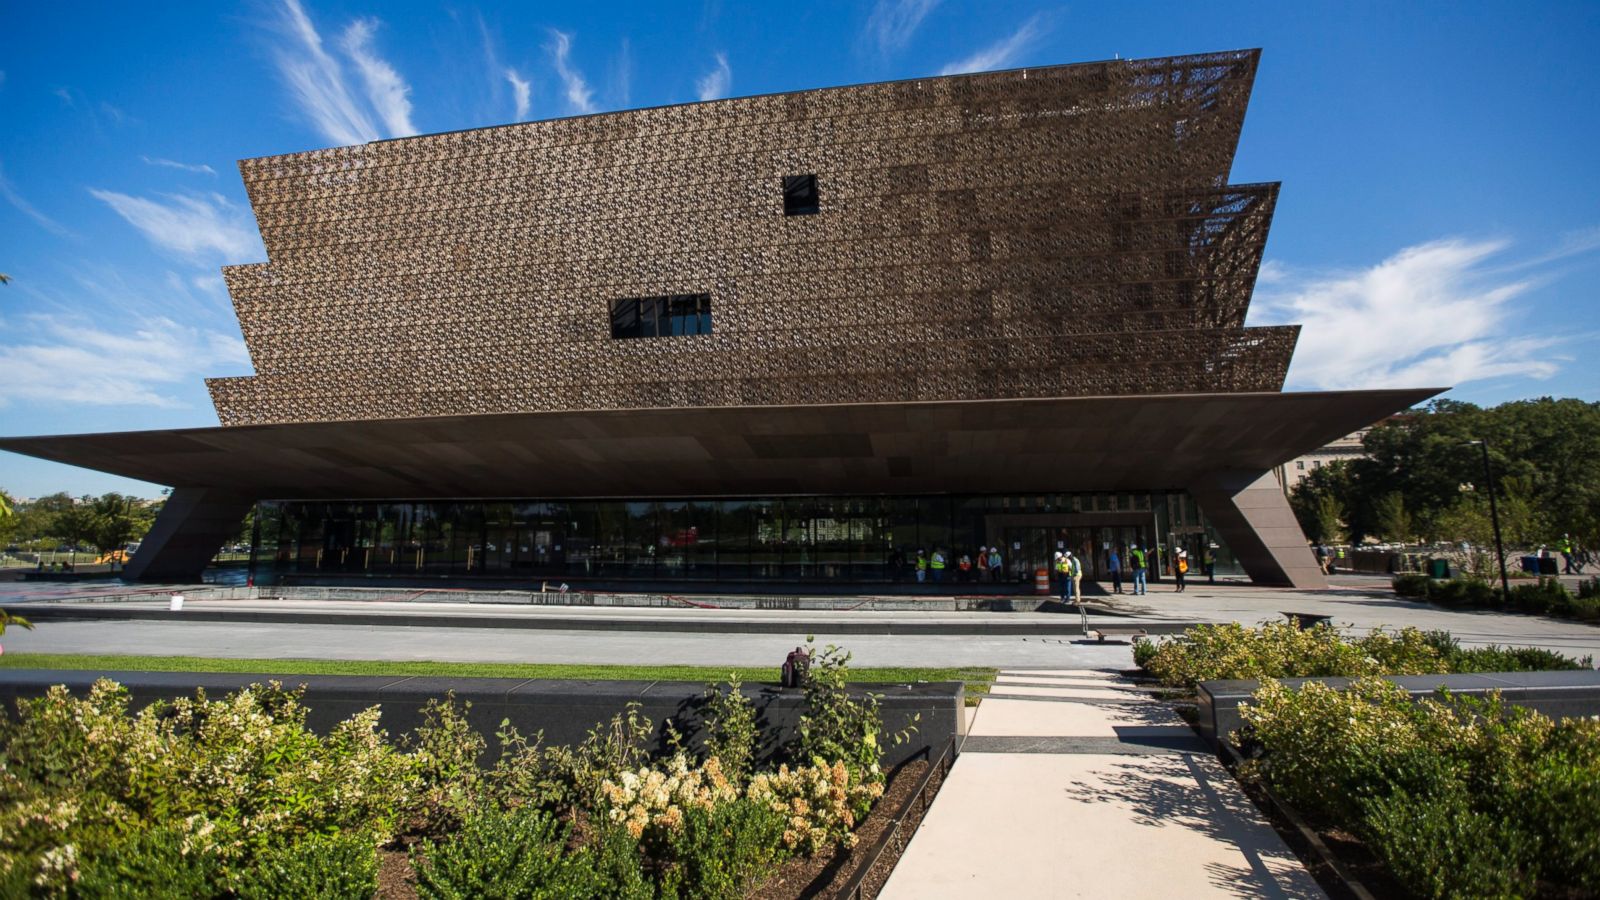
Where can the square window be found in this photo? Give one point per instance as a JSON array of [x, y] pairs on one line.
[[800, 195]]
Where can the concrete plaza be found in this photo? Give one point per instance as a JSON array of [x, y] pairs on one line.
[[518, 632]]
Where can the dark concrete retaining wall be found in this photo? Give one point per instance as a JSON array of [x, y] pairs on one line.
[[563, 710], [1556, 694]]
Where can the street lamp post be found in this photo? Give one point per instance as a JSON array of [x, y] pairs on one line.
[[1494, 517]]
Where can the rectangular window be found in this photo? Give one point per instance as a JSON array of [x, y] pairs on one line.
[[1300, 464], [675, 315], [800, 195]]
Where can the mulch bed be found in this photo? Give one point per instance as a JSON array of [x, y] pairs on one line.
[[395, 879]]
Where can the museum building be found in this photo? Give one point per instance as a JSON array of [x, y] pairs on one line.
[[761, 342]]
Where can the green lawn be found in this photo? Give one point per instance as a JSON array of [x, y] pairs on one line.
[[977, 679]]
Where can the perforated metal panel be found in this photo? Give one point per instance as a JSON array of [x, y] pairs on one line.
[[1064, 231]]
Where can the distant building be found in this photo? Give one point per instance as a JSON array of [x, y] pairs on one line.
[[1296, 470]]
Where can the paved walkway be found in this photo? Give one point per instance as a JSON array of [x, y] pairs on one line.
[[1073, 783]]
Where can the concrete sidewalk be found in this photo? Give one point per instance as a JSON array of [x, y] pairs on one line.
[[1073, 783]]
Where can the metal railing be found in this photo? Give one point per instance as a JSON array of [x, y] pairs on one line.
[[897, 835]]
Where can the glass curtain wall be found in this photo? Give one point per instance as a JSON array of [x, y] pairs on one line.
[[778, 539]]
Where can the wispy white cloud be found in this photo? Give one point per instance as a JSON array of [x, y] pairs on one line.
[[70, 359], [317, 81], [522, 90], [21, 205], [621, 85], [117, 115], [191, 225], [199, 168], [580, 98], [388, 92], [714, 84], [892, 22], [1003, 53], [1439, 313]]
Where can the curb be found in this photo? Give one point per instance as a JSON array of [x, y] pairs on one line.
[[106, 612]]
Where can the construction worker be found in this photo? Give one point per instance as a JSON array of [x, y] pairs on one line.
[[996, 565], [937, 565], [922, 567], [1064, 573], [1075, 572], [1137, 558], [1566, 555]]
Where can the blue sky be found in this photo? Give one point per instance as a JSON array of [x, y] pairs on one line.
[[1439, 222]]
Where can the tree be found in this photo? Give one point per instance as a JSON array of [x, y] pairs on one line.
[[1392, 519], [74, 524], [1330, 520], [113, 523], [1310, 497], [8, 517], [1546, 446]]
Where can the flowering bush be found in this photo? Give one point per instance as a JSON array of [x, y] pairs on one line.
[[821, 802], [650, 801], [229, 778], [237, 797]]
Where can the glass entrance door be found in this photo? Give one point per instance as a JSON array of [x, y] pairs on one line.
[[1034, 547]]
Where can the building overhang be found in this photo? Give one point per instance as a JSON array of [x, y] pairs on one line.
[[988, 446]]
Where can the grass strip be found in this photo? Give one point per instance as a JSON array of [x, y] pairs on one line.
[[977, 679]]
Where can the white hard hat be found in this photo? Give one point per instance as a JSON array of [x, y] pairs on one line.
[[1058, 554]]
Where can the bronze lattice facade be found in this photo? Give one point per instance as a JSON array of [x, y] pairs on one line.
[[951, 308], [1050, 232]]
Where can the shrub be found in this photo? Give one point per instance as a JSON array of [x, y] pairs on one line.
[[505, 854], [1274, 650], [1231, 651], [1586, 609], [529, 773], [731, 730], [1480, 593], [329, 867], [233, 777], [720, 852], [649, 802], [1144, 650], [836, 726], [444, 753], [1515, 659], [155, 864], [1412, 586], [1322, 746], [1589, 588], [820, 804], [616, 866], [1461, 797], [1562, 803], [1448, 593], [1543, 596], [1438, 846]]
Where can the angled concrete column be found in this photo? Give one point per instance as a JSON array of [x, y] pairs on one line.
[[1251, 513], [192, 526]]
